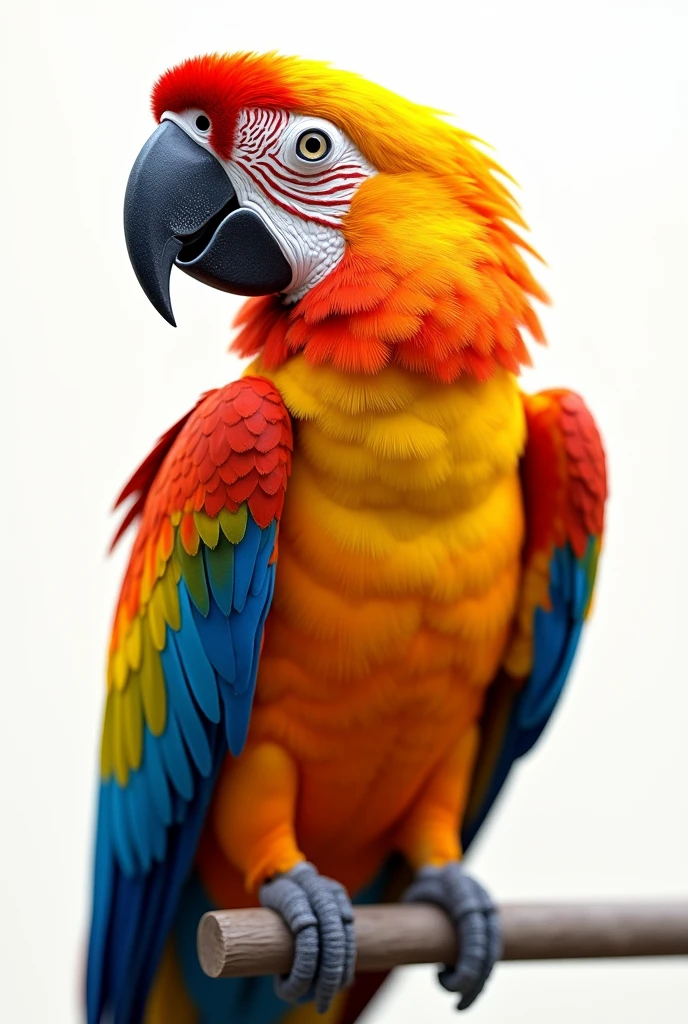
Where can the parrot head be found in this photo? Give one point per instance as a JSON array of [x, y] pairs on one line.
[[367, 229]]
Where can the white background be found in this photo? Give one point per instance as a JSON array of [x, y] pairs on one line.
[[586, 105]]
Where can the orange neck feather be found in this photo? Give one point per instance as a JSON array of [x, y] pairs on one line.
[[431, 280]]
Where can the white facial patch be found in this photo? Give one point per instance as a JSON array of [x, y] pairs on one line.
[[299, 174]]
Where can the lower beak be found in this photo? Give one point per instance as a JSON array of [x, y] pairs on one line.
[[180, 208]]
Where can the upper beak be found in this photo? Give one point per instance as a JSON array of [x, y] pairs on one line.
[[180, 207]]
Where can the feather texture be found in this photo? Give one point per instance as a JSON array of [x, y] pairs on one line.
[[181, 681], [565, 489]]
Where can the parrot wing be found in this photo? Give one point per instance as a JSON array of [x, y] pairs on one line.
[[183, 660], [564, 486]]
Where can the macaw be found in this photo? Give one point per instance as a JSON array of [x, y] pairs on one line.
[[361, 571]]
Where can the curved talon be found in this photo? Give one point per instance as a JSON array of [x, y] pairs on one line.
[[477, 924], [318, 912], [347, 914]]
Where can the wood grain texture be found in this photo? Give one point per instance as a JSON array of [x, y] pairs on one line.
[[242, 943]]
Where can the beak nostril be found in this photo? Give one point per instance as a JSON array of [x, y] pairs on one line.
[[194, 243]]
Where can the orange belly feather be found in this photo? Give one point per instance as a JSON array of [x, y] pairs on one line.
[[397, 580]]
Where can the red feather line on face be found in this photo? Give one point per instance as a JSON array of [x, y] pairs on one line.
[[323, 195]]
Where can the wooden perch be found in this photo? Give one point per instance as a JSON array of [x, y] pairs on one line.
[[240, 943]]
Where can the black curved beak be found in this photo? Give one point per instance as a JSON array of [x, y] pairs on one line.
[[180, 208]]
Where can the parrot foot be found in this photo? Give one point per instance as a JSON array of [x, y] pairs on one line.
[[476, 920], [318, 912]]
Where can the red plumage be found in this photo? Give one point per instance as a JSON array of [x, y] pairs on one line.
[[209, 461], [221, 89], [564, 473], [141, 481]]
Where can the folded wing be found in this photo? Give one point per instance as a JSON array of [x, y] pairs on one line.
[[182, 669], [564, 489]]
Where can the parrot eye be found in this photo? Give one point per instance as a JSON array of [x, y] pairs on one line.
[[203, 124], [313, 145]]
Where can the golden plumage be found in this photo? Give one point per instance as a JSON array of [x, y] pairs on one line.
[[397, 582]]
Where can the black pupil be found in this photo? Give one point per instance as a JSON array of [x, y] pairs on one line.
[[314, 144], [202, 123]]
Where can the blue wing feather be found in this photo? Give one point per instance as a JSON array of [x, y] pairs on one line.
[[157, 782], [267, 543], [176, 760], [525, 713], [216, 637], [148, 830], [245, 556], [123, 821], [184, 708], [103, 885], [163, 889], [194, 656]]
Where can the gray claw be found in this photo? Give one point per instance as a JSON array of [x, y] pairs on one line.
[[318, 912], [477, 925]]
